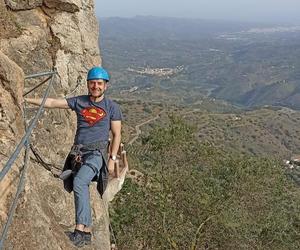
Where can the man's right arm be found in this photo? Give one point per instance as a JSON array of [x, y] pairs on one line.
[[50, 102]]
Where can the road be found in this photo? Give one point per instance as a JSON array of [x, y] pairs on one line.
[[137, 128]]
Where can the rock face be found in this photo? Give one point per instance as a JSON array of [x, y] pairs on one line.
[[11, 124], [38, 36]]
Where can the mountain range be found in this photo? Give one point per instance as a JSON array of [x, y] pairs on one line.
[[248, 64]]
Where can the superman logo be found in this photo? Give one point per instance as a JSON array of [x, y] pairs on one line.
[[92, 115]]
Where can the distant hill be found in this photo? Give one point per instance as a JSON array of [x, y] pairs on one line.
[[145, 27], [192, 182], [243, 63]]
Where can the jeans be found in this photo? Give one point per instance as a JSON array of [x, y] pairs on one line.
[[92, 163]]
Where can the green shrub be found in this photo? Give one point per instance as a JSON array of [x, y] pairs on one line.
[[198, 197]]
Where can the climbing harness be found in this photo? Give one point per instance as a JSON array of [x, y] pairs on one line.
[[76, 156]]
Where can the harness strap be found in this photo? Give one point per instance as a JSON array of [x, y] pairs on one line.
[[99, 145], [78, 150]]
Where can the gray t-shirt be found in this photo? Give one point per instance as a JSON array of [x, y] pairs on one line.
[[93, 118]]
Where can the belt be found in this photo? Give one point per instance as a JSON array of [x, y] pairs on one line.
[[98, 145]]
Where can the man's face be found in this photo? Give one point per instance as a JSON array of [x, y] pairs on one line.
[[96, 87]]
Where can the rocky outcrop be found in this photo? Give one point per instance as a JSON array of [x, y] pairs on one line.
[[38, 36], [23, 5], [11, 124], [64, 5]]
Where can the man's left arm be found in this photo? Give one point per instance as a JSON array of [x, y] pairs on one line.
[[115, 127]]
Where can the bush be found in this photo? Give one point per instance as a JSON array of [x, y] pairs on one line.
[[201, 198]]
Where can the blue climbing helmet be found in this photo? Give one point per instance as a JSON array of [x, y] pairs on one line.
[[97, 73]]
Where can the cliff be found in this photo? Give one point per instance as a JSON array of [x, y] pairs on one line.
[[38, 36]]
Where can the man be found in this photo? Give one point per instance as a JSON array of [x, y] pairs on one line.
[[96, 116]]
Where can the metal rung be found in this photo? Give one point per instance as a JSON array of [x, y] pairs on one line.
[[41, 74]]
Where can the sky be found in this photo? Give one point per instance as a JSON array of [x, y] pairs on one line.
[[277, 11]]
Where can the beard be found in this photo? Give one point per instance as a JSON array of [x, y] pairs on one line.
[[98, 95]]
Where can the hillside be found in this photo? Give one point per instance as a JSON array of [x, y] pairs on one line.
[[261, 132], [186, 194], [244, 64], [207, 179]]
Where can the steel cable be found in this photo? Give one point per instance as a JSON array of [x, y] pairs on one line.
[[13, 157], [24, 142], [19, 189]]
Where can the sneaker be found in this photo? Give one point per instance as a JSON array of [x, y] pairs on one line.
[[87, 238], [77, 238]]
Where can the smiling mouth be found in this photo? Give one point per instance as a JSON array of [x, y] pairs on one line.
[[96, 92]]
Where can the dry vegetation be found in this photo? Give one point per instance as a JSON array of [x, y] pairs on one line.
[[195, 196]]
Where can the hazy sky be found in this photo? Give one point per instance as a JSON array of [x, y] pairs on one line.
[[246, 10]]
